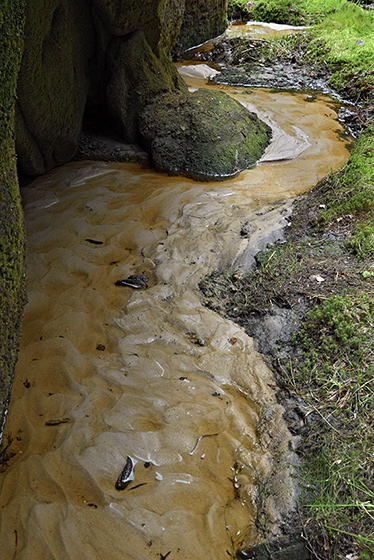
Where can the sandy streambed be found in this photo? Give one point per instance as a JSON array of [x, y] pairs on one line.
[[108, 372]]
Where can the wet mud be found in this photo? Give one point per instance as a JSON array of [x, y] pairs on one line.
[[145, 425]]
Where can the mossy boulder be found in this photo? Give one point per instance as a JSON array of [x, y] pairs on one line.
[[12, 235], [201, 21], [206, 135], [137, 76], [160, 20], [53, 82]]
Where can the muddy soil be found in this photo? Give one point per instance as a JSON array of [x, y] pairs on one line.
[[249, 63], [270, 301], [99, 357]]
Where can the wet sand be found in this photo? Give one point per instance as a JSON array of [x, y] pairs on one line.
[[106, 372]]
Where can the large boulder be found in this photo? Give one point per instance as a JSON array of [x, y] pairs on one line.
[[137, 76], [206, 135], [201, 21], [53, 82]]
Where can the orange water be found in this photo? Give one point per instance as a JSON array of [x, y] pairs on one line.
[[106, 372]]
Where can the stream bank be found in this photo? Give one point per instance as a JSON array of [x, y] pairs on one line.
[[110, 370], [298, 61], [308, 302]]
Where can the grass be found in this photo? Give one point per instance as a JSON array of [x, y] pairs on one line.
[[329, 360], [349, 34], [342, 41], [350, 194], [335, 371], [351, 189], [299, 12]]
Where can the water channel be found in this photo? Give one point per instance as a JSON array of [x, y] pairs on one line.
[[107, 372]]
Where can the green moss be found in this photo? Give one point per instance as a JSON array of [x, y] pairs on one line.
[[362, 241], [292, 12], [202, 20], [238, 10], [205, 135], [12, 289]]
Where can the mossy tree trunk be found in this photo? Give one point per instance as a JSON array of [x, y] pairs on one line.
[[12, 237]]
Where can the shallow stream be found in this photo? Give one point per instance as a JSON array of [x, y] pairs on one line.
[[108, 372]]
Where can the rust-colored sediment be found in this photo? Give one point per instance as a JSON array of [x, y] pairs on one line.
[[106, 372]]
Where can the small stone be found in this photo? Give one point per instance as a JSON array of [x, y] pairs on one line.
[[135, 281], [317, 277]]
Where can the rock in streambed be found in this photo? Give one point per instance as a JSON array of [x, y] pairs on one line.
[[205, 135]]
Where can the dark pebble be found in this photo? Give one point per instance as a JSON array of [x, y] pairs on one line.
[[125, 475], [95, 242], [136, 281]]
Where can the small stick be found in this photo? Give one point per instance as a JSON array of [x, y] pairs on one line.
[[197, 442], [57, 421], [16, 542], [137, 486]]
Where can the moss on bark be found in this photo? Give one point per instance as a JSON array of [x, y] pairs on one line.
[[12, 267]]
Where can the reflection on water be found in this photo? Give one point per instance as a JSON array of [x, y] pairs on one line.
[[108, 372], [248, 30], [260, 30]]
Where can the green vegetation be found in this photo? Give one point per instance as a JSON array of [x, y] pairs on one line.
[[350, 192], [204, 135], [335, 371], [324, 277], [299, 12], [349, 36], [357, 176], [342, 41], [12, 270]]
